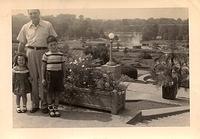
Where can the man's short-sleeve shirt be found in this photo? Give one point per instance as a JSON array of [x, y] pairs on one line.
[[54, 61], [36, 36]]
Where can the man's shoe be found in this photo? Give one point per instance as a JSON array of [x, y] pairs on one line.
[[33, 110], [45, 110]]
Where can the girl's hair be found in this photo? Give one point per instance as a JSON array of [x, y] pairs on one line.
[[16, 58]]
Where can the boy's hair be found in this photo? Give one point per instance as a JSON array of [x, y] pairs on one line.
[[51, 39], [16, 58]]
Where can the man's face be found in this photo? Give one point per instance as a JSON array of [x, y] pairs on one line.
[[34, 14]]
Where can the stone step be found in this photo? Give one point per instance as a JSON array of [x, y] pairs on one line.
[[158, 112]]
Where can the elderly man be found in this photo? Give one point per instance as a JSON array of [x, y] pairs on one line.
[[32, 38]]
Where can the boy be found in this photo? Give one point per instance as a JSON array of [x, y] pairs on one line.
[[52, 75]]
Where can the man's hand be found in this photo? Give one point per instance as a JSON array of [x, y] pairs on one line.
[[21, 47], [30, 79], [44, 83]]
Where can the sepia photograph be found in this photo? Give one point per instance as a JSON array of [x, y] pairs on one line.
[[100, 67]]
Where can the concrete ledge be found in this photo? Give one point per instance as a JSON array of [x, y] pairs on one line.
[[137, 118], [155, 113]]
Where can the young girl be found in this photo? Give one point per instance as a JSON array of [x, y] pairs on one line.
[[21, 81]]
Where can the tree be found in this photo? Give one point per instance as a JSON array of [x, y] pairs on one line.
[[71, 27], [150, 32]]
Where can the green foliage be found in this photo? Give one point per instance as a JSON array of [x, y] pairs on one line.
[[68, 26], [81, 74], [98, 52], [150, 32], [145, 55], [169, 67], [125, 50], [129, 71]]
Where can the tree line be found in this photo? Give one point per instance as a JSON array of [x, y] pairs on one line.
[[69, 26]]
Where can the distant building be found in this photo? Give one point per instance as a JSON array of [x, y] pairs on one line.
[[158, 37]]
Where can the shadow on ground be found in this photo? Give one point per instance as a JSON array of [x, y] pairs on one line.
[[76, 113]]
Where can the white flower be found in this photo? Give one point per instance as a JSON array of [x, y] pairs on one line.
[[70, 70], [75, 62], [83, 66], [69, 77], [80, 59], [114, 91]]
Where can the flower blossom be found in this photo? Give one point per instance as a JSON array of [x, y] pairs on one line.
[[75, 62]]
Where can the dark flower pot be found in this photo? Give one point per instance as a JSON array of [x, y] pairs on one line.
[[169, 92]]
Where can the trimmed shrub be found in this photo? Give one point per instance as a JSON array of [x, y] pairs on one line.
[[98, 52], [145, 55], [130, 71]]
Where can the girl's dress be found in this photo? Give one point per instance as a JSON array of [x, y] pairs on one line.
[[21, 83]]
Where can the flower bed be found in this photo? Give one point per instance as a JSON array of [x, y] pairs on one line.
[[91, 87]]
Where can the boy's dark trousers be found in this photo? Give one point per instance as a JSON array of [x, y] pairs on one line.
[[54, 86]]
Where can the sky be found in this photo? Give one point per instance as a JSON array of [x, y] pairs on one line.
[[117, 13]]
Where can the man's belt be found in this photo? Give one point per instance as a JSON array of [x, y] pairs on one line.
[[37, 48]]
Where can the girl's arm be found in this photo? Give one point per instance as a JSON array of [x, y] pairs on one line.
[[13, 80]]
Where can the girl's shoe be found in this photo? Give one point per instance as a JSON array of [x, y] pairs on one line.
[[57, 113], [18, 110], [51, 111], [24, 109]]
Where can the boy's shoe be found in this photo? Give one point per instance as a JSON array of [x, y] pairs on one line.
[[18, 110], [57, 113], [45, 110], [51, 111], [24, 109]]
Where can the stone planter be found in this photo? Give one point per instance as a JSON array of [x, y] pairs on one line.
[[97, 99]]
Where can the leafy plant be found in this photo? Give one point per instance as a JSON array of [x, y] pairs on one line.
[[171, 67], [98, 52], [80, 73]]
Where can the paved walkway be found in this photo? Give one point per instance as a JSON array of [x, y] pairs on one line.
[[80, 117], [138, 91]]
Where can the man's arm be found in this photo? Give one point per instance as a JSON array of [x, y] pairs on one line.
[[21, 47], [22, 39], [43, 73]]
